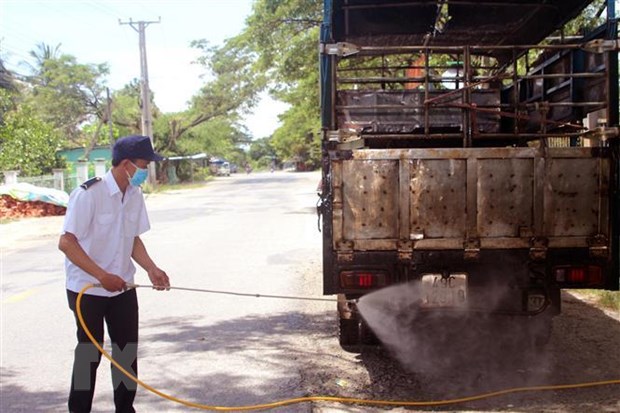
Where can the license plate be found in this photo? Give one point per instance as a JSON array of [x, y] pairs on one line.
[[439, 291]]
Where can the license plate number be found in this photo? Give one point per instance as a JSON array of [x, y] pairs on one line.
[[439, 291]]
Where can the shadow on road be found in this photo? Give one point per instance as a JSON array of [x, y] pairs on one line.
[[584, 347], [262, 352], [13, 397], [228, 359]]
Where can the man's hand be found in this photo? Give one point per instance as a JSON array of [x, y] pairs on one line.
[[113, 283], [159, 279]]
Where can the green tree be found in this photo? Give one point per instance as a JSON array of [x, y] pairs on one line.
[[126, 116], [219, 137], [590, 18], [66, 93], [232, 89], [27, 143], [8, 92], [261, 148], [284, 36], [7, 81], [126, 113], [41, 54]]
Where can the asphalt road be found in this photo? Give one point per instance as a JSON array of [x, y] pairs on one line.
[[247, 233], [258, 234]]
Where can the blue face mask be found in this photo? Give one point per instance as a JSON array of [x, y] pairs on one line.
[[139, 176]]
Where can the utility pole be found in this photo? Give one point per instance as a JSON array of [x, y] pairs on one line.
[[147, 122]]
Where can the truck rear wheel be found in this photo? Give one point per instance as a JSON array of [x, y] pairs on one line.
[[353, 334], [349, 333], [367, 336]]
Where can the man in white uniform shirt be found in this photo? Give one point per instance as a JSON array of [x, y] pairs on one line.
[[100, 237]]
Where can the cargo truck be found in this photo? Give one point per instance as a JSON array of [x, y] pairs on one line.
[[471, 147]]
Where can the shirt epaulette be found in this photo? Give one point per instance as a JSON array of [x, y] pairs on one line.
[[90, 182]]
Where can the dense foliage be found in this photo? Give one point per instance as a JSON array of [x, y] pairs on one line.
[[284, 35], [27, 144]]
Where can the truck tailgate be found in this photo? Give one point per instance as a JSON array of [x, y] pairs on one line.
[[451, 198]]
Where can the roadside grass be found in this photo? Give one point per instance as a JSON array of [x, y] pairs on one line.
[[609, 299], [606, 299], [150, 189]]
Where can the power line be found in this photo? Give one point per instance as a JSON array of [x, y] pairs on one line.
[[103, 8]]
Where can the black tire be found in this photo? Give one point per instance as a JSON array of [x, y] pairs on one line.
[[349, 334], [353, 335], [367, 336]]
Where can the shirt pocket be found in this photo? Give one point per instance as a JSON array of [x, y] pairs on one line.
[[105, 225], [130, 224]]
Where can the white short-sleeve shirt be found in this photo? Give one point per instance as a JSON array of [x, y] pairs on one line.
[[105, 224]]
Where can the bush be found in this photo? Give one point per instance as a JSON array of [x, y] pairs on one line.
[[28, 144], [610, 299]]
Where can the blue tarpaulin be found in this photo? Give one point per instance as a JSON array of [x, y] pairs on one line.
[[28, 192]]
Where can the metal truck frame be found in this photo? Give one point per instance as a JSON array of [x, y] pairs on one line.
[[466, 149]]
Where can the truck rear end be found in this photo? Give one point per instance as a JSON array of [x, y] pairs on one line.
[[468, 151]]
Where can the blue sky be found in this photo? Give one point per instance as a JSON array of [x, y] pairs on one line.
[[90, 31]]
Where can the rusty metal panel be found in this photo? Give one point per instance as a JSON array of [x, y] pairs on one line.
[[370, 199], [505, 196], [604, 168], [438, 198], [445, 198], [404, 200], [538, 203], [438, 244], [568, 242], [336, 183], [463, 153], [573, 193], [376, 245], [497, 243], [471, 186]]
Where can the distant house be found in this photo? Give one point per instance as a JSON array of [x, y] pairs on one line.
[[199, 159], [75, 154]]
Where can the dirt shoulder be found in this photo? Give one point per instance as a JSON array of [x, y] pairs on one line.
[[592, 300]]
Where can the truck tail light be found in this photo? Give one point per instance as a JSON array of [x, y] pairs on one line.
[[583, 275], [576, 275], [362, 279]]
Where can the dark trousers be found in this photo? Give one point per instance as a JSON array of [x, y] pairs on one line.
[[120, 314]]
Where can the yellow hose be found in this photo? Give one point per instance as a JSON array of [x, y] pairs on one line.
[[331, 399]]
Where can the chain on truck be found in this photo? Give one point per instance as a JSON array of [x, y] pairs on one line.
[[470, 147]]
